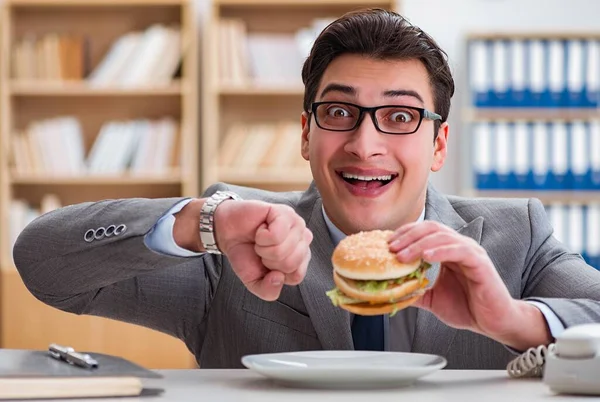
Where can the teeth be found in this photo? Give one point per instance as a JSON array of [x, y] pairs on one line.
[[366, 178]]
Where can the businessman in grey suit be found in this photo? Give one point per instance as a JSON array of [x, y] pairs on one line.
[[241, 271]]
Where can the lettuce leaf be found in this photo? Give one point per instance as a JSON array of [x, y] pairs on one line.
[[378, 286]]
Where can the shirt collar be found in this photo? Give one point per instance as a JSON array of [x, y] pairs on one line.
[[337, 235]]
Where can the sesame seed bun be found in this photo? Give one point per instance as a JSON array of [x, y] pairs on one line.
[[367, 256]]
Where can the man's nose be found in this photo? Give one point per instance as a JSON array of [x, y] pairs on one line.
[[366, 141]]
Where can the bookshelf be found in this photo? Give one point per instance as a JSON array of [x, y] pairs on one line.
[[98, 100], [533, 127], [252, 89]]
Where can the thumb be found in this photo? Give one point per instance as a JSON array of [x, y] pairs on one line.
[[257, 278], [268, 287]]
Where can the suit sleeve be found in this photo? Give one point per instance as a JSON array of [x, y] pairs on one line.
[[557, 277], [117, 277]]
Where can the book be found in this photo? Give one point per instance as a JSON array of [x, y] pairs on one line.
[[33, 374]]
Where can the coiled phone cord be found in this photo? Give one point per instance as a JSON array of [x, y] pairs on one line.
[[530, 363]]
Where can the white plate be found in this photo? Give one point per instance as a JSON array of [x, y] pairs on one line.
[[354, 369]]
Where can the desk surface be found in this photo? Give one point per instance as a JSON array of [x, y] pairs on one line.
[[244, 385]]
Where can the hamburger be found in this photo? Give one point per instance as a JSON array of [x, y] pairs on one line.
[[369, 278]]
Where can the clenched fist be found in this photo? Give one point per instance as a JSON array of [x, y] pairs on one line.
[[268, 245]]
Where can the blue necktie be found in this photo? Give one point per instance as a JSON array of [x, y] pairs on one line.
[[367, 332]]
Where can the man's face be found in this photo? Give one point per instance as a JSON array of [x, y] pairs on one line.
[[402, 161]]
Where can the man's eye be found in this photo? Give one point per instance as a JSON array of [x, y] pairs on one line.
[[401, 117], [338, 112]]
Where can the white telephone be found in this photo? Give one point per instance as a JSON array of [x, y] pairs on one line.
[[569, 366]]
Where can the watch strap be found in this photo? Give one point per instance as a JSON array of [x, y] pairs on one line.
[[207, 219]]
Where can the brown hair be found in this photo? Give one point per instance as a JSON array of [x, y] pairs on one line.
[[379, 34]]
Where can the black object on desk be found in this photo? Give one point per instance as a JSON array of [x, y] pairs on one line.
[[37, 374]]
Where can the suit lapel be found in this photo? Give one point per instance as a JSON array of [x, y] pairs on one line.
[[331, 323], [431, 335]]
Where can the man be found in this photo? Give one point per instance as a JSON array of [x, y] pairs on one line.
[[377, 97]]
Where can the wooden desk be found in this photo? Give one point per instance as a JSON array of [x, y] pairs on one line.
[[247, 386]]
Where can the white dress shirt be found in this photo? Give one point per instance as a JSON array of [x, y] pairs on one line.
[[160, 239]]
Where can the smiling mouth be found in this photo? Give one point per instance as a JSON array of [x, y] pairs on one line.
[[367, 182]]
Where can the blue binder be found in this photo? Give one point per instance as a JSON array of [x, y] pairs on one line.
[[518, 73], [584, 230], [575, 88], [500, 70], [580, 172], [592, 73], [559, 175], [594, 155], [483, 156], [522, 163], [503, 154], [480, 71], [541, 155], [553, 96], [538, 73]]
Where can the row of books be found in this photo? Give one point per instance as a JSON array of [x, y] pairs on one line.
[[56, 147], [21, 213], [535, 72], [252, 147], [539, 155], [149, 57], [266, 59], [578, 227], [50, 57]]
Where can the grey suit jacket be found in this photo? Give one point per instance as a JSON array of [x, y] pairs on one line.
[[201, 301]]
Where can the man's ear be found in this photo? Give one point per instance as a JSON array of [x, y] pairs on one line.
[[305, 120], [440, 147]]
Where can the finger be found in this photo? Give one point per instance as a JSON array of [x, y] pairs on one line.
[[299, 274], [414, 233], [468, 260], [282, 250], [291, 263], [269, 287], [308, 236], [280, 219], [415, 250], [401, 230]]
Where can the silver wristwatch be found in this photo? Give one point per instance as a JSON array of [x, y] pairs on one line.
[[207, 218]]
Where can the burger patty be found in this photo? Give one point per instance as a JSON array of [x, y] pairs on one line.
[[338, 297], [378, 286]]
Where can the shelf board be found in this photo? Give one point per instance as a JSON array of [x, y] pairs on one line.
[[533, 35], [477, 114], [113, 180], [546, 196], [81, 88], [301, 3], [263, 176], [252, 90], [85, 3]]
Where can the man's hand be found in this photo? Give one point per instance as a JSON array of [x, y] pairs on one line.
[[268, 245], [469, 293]]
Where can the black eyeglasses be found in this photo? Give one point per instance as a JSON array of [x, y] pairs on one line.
[[388, 119]]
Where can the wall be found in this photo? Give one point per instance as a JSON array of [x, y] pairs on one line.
[[448, 21]]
